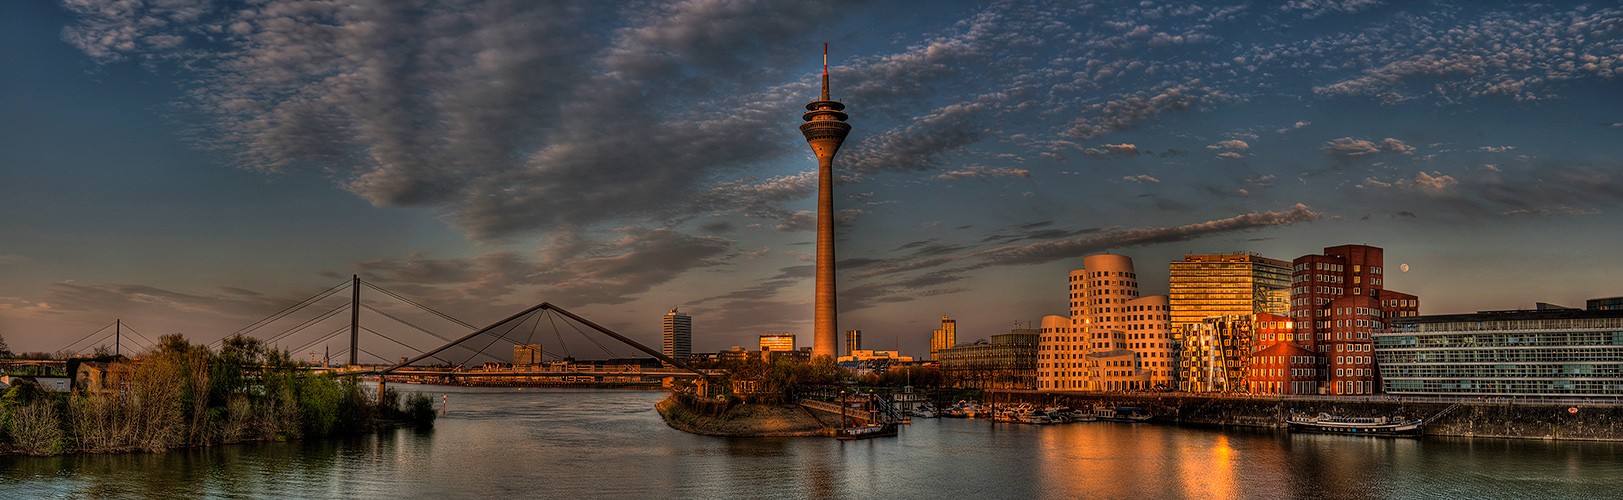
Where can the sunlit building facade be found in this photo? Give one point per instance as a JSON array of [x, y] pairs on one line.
[[943, 338], [853, 341], [1337, 299], [778, 342], [1203, 286], [1114, 339]]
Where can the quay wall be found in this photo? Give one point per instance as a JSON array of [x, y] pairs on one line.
[[1501, 420]]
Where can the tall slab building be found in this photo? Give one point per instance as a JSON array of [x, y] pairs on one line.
[[825, 129], [1211, 285], [678, 335]]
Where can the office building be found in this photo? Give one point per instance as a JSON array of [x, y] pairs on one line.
[[1007, 361], [853, 341], [1547, 352], [1204, 286], [678, 335], [527, 355], [778, 342], [943, 338]]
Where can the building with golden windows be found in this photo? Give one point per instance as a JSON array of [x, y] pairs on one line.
[[1204, 286], [779, 342]]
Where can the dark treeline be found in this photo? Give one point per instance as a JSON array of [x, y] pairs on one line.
[[182, 394]]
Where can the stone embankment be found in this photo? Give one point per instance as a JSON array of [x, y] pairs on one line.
[[1501, 420], [741, 420]]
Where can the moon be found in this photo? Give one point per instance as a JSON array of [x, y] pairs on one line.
[[1404, 267]]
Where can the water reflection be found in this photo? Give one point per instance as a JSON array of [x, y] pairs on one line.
[[609, 444]]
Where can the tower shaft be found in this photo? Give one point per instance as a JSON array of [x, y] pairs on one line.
[[825, 129]]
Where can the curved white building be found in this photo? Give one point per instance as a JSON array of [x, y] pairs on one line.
[[1114, 339]]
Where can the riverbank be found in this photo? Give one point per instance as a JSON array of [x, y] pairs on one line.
[[1496, 420], [742, 420]]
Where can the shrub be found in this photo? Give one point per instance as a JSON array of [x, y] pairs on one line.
[[420, 410]]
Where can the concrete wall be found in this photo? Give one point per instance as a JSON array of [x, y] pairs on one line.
[[1522, 421]]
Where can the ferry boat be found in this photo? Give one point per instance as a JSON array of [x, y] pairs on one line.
[[1361, 426], [866, 431], [1121, 414]]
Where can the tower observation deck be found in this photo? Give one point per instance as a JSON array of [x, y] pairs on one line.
[[825, 129]]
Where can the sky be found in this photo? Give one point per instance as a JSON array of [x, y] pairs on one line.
[[192, 167]]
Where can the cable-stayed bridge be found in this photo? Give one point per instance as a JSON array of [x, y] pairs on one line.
[[391, 337]]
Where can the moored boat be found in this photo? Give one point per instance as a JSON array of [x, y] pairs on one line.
[[1358, 426], [1126, 414], [866, 431]]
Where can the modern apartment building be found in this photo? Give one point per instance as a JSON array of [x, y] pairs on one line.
[[853, 341]]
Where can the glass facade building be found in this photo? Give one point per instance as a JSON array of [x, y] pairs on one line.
[[1008, 361], [1552, 353], [1205, 286]]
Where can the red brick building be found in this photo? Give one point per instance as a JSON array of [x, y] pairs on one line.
[[1337, 298]]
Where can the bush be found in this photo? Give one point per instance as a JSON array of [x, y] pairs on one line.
[[420, 410]]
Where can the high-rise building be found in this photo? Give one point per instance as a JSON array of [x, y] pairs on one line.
[[1204, 286], [1337, 299], [527, 355], [1008, 361], [853, 341], [778, 342], [678, 335], [943, 338], [825, 129], [1115, 339]]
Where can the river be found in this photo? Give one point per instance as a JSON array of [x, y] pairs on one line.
[[505, 443]]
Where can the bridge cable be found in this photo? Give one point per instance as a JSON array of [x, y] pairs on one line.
[[308, 323], [76, 342], [606, 350], [289, 310], [150, 343], [324, 338], [420, 306], [502, 336], [404, 322], [560, 334], [408, 346]]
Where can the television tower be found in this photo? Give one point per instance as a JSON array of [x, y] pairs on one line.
[[825, 129]]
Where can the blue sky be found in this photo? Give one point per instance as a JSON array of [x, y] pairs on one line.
[[193, 166]]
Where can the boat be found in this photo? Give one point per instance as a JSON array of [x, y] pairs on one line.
[[1126, 414], [866, 431], [1359, 426], [1033, 416]]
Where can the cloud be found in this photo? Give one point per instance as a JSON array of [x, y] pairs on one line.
[[1141, 178], [984, 173], [1231, 145], [571, 269], [1350, 147], [1434, 183], [1316, 8], [1113, 151], [1122, 111], [1554, 211], [1037, 253], [1230, 155], [1295, 126]]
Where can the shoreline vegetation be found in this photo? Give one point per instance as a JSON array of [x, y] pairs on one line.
[[187, 395], [742, 420]]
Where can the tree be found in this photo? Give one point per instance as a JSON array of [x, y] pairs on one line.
[[5, 351]]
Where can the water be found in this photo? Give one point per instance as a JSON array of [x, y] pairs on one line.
[[611, 444]]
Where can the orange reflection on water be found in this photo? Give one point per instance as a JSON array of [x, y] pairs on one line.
[[1208, 472]]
